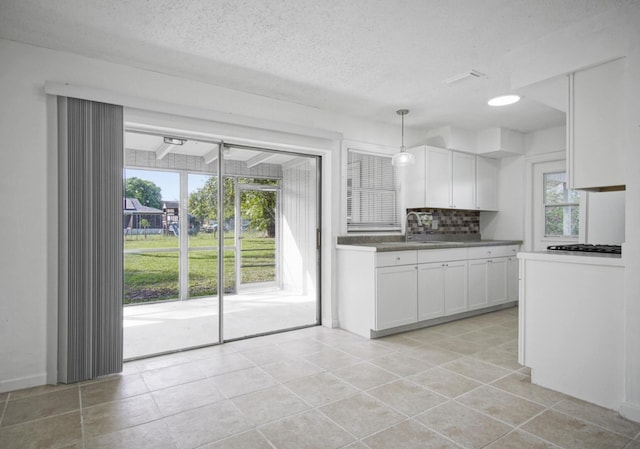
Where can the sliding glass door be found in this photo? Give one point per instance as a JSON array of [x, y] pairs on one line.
[[207, 262], [171, 265], [277, 263]]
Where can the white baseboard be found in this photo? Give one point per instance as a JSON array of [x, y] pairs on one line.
[[630, 411], [23, 382]]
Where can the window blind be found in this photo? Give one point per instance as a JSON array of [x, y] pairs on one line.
[[371, 192], [90, 155]]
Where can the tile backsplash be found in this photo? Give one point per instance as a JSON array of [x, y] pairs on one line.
[[451, 222]]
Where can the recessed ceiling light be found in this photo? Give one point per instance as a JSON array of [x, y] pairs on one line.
[[504, 100]]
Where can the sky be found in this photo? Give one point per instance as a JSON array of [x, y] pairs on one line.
[[169, 182]]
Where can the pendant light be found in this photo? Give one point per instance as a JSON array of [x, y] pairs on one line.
[[402, 158]]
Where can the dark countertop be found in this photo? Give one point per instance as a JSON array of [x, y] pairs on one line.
[[419, 245], [574, 257]]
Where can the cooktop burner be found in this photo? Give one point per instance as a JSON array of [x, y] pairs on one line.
[[588, 248]]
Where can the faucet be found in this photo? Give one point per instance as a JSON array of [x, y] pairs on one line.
[[406, 224], [423, 218]]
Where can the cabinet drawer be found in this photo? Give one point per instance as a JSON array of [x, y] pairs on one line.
[[441, 255], [394, 258], [512, 250], [484, 252]]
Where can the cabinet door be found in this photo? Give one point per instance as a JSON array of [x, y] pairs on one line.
[[486, 183], [463, 176], [438, 177], [396, 296], [497, 280], [415, 179], [431, 283], [455, 287], [478, 283], [596, 120], [512, 279]]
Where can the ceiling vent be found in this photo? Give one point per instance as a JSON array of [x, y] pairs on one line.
[[473, 74]]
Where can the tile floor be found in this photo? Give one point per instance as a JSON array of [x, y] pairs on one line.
[[456, 385]]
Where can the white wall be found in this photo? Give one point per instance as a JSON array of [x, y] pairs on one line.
[[631, 247], [28, 300], [298, 227], [508, 223], [511, 220], [546, 141], [605, 218]]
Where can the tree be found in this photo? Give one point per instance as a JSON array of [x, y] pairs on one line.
[[260, 206], [144, 224], [203, 202], [144, 191]]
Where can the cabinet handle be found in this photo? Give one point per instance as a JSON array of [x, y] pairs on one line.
[[489, 261], [398, 258]]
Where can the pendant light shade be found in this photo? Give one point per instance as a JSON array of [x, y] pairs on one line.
[[402, 159]]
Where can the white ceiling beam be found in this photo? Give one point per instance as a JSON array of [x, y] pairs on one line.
[[163, 150], [259, 159], [211, 156]]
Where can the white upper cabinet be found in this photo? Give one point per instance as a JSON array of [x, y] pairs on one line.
[[429, 178], [414, 180], [595, 132], [438, 177], [486, 183], [463, 175], [446, 179]]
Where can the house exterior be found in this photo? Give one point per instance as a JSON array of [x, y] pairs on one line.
[[133, 212], [30, 77]]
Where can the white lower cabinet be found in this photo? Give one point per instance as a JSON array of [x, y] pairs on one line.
[[384, 290], [478, 284], [431, 290], [512, 278], [497, 280], [455, 284], [441, 289], [487, 282], [396, 292]]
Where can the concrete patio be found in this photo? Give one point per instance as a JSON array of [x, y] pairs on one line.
[[174, 325]]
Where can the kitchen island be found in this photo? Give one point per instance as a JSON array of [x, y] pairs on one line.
[[395, 286], [571, 324]]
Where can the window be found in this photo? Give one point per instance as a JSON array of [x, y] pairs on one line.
[[371, 193], [561, 206]]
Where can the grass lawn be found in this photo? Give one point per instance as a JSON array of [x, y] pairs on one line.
[[154, 276]]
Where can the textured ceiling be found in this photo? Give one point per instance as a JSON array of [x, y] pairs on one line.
[[365, 58]]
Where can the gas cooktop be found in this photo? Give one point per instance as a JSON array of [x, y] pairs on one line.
[[588, 248]]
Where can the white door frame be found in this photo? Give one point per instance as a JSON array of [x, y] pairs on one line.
[[531, 163], [238, 233]]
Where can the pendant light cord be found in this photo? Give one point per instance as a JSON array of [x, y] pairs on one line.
[[402, 147]]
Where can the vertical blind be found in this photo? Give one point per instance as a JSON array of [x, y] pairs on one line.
[[91, 142], [371, 193]]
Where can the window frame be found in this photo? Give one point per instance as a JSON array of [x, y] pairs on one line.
[[361, 226], [566, 194]]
